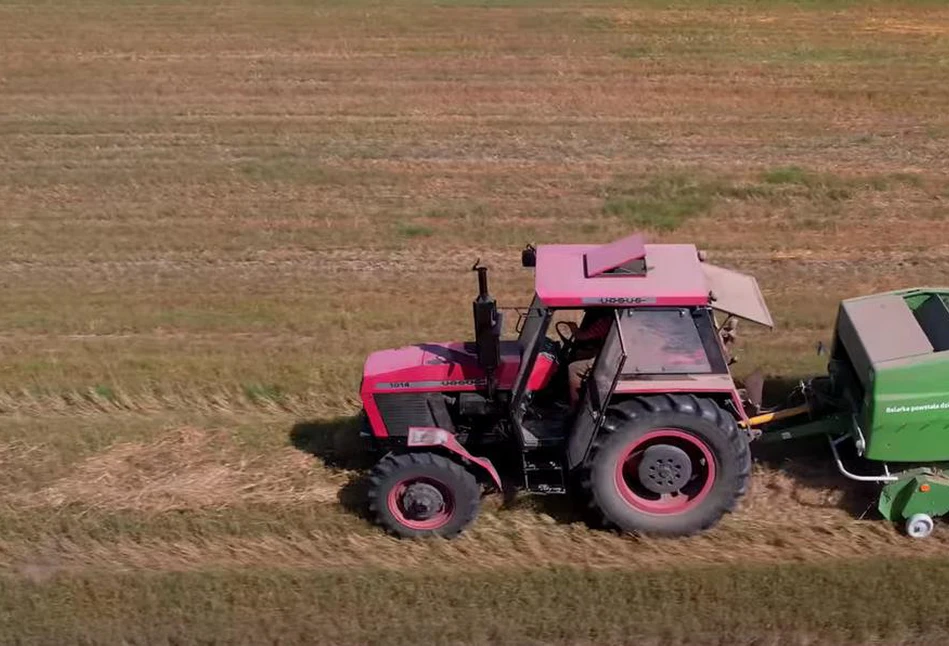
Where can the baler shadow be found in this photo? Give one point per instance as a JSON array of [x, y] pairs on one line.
[[809, 464]]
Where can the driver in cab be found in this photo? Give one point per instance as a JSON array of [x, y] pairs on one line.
[[587, 340]]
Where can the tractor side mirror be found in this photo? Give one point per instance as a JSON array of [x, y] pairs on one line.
[[529, 256]]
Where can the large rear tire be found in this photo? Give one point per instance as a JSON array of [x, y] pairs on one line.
[[667, 465], [423, 494]]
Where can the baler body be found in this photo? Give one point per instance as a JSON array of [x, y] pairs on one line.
[[891, 355]]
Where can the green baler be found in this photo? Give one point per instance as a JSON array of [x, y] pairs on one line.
[[887, 392]]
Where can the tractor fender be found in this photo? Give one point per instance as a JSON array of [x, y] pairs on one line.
[[432, 436]]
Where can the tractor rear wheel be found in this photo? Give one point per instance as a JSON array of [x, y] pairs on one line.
[[423, 494], [667, 465]]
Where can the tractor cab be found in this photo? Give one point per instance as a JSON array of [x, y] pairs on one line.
[[663, 336]]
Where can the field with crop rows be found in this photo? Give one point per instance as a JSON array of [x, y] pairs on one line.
[[210, 212]]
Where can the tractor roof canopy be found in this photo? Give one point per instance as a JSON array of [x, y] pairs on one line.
[[631, 273]]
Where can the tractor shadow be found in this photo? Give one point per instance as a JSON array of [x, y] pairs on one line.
[[806, 466], [336, 443]]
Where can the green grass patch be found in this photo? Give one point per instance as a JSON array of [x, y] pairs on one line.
[[634, 52], [809, 54], [303, 168], [286, 167], [836, 187], [260, 393], [105, 392], [461, 211], [598, 23], [786, 175], [821, 185], [411, 230], [664, 203], [840, 603]]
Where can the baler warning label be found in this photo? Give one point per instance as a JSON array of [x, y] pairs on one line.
[[917, 408]]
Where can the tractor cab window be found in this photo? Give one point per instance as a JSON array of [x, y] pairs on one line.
[[670, 341], [533, 325], [533, 331]]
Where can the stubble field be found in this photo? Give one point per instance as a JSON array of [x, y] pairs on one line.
[[210, 212]]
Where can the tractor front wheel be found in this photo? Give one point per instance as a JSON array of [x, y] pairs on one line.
[[669, 465], [423, 494]]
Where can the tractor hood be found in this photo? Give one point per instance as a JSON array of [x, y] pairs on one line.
[[435, 366], [387, 361], [737, 294]]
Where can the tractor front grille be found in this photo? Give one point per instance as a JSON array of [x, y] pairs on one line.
[[401, 410]]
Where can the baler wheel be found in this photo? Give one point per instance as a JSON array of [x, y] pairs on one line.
[[667, 465], [919, 526], [423, 494]]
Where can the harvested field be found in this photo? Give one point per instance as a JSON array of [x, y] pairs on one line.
[[210, 212]]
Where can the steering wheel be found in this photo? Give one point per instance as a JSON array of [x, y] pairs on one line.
[[566, 346], [566, 338]]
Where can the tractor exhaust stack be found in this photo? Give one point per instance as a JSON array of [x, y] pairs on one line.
[[487, 324]]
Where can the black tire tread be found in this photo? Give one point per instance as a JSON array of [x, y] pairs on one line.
[[640, 408], [467, 495]]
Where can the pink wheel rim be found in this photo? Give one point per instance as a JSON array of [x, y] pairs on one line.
[[688, 496], [395, 502]]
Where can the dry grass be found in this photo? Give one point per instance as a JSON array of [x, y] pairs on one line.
[[197, 497], [185, 468], [802, 605], [211, 212]]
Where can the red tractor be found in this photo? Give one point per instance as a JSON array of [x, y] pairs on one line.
[[657, 441]]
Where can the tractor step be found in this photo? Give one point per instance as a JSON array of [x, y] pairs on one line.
[[539, 433], [543, 475]]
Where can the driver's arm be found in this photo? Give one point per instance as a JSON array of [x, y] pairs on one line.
[[596, 331]]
